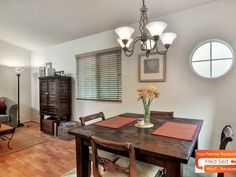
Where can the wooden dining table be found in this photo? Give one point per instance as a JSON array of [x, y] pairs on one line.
[[163, 151]]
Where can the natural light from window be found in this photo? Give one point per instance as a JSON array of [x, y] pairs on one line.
[[212, 58]]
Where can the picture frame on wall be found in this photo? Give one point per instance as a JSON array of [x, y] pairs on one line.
[[153, 68]]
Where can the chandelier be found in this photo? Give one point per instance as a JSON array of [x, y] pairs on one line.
[[149, 42]]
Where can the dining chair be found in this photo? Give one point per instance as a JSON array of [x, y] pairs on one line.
[[124, 166], [94, 118], [165, 114], [226, 137], [91, 117]]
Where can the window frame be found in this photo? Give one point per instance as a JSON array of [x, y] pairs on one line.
[[91, 54], [211, 60]]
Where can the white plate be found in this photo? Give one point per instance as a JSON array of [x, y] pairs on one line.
[[144, 126]]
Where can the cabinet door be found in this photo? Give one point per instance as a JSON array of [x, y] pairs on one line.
[[64, 89], [64, 96], [43, 95], [52, 96]]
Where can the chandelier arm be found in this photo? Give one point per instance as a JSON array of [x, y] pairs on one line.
[[155, 46], [163, 52], [131, 49], [127, 53]]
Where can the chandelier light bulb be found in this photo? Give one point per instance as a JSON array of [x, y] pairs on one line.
[[124, 33], [122, 43], [168, 38], [156, 28]]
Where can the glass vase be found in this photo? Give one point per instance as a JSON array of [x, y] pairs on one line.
[[147, 115]]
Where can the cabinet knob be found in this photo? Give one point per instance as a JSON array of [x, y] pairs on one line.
[[46, 93]]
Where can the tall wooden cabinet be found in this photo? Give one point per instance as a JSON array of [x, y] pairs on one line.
[[55, 98]]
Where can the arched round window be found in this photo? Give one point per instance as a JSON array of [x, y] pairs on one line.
[[212, 58]]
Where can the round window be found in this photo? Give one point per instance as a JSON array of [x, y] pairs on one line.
[[212, 58]]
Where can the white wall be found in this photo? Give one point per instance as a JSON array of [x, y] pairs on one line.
[[11, 56], [184, 92]]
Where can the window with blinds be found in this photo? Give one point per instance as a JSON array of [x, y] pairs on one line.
[[99, 76]]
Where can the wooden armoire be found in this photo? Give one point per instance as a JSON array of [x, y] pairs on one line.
[[55, 98]]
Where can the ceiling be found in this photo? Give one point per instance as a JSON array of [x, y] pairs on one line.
[[34, 24]]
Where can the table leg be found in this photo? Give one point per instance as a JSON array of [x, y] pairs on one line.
[[9, 140], [195, 148], [173, 169], [41, 122], [82, 158]]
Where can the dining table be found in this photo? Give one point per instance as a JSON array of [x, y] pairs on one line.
[[163, 151]]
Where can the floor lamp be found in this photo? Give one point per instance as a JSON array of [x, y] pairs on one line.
[[19, 71]]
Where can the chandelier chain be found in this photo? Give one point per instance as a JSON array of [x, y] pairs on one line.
[[143, 22]]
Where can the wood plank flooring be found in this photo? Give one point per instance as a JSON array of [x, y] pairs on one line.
[[50, 159]]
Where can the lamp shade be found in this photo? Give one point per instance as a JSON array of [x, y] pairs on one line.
[[156, 28], [168, 38], [122, 44], [149, 44], [19, 70], [124, 32]]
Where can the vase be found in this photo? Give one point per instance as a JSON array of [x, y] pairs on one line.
[[147, 115], [146, 119]]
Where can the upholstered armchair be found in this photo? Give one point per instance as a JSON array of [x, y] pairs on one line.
[[10, 117]]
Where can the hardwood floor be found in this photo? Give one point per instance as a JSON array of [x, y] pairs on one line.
[[50, 159]]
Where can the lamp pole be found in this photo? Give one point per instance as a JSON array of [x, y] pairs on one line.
[[18, 70]]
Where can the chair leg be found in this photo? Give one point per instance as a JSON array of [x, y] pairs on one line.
[[89, 168], [161, 173]]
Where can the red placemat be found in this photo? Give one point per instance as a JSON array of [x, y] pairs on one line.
[[177, 130], [116, 122]]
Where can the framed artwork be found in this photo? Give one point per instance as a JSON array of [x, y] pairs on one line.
[[59, 73], [48, 65], [41, 71], [153, 68]]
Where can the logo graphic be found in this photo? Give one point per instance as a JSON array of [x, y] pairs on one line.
[[215, 161]]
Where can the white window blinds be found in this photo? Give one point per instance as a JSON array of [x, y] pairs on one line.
[[99, 76]]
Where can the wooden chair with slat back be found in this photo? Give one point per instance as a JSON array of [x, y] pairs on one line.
[[124, 167], [91, 117], [165, 114], [226, 137], [97, 116]]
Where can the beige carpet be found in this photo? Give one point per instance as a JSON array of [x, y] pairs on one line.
[[19, 142]]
